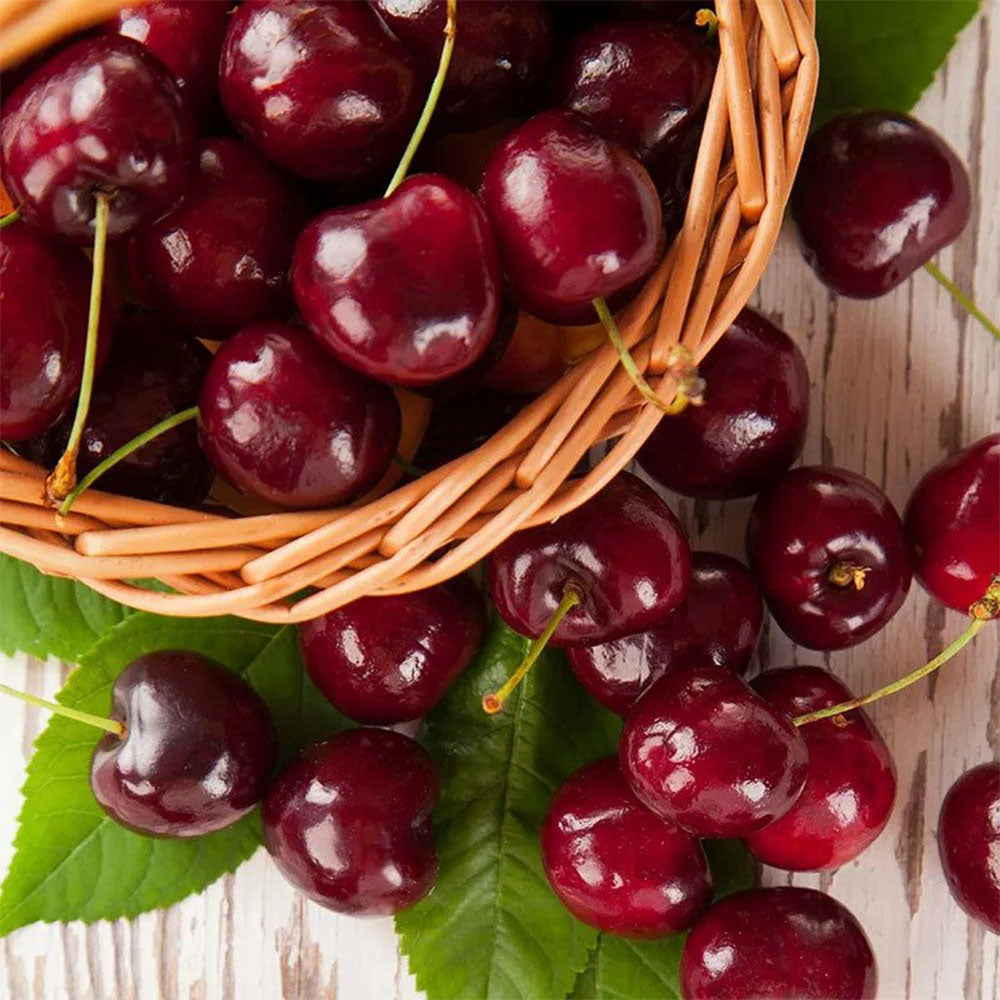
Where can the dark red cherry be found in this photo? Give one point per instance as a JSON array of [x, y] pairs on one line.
[[282, 421], [623, 550], [221, 260], [969, 842], [720, 620], [851, 786], [706, 752], [876, 196], [752, 425], [827, 548], [617, 866], [575, 217], [197, 751], [501, 51], [103, 115], [348, 822], [787, 943], [405, 289], [321, 88], [952, 525]]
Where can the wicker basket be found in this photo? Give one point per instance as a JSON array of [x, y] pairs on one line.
[[443, 523]]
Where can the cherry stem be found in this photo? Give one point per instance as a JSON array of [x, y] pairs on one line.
[[962, 299], [707, 18], [9, 218], [108, 725], [493, 700], [432, 98], [848, 574], [62, 479]]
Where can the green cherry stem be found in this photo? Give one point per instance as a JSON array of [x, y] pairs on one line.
[[9, 218], [108, 725], [962, 299], [432, 98]]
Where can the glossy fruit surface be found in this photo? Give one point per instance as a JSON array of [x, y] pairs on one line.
[[405, 289], [103, 115], [617, 866], [952, 524], [197, 752], [706, 752], [575, 217], [969, 842], [851, 787], [623, 549], [719, 620], [811, 522], [876, 196], [786, 943], [348, 822], [284, 422], [752, 425], [321, 88]]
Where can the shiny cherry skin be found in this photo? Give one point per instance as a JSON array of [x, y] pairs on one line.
[[969, 843], [405, 289], [808, 525], [952, 525], [501, 52], [786, 943], [876, 196], [575, 217], [623, 550], [383, 660], [320, 87], [348, 822], [752, 425], [197, 751], [706, 752], [720, 619], [283, 422], [851, 787], [44, 296], [222, 259], [617, 866], [103, 115]]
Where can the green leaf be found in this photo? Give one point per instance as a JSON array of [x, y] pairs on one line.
[[882, 53], [492, 926]]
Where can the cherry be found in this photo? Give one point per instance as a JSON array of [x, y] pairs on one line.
[[222, 259], [321, 88], [827, 548], [348, 822], [752, 424], [383, 660], [282, 421], [851, 787], [617, 866], [405, 289], [576, 217], [788, 942], [720, 619], [952, 525], [196, 751]]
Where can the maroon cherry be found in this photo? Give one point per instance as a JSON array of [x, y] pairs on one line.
[[348, 822], [969, 842], [851, 787], [827, 548], [753, 422], [576, 217], [876, 196], [282, 421], [952, 525], [704, 751], [787, 943], [720, 619], [321, 88], [196, 752], [617, 866]]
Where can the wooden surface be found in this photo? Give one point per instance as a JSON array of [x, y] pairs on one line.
[[896, 384]]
